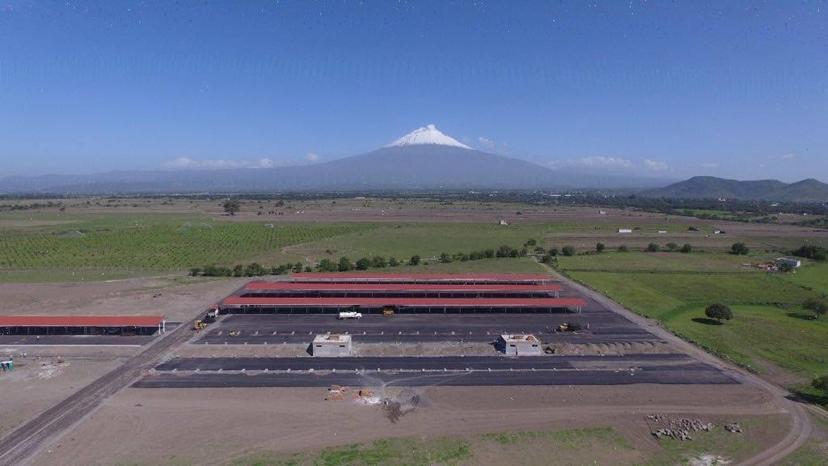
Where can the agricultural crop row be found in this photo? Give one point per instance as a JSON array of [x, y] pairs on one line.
[[155, 244]]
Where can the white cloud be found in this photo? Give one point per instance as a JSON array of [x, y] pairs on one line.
[[486, 143], [186, 163], [710, 165], [312, 157], [655, 165], [788, 156], [605, 162]]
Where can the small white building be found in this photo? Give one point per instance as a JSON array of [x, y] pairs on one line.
[[662, 232], [331, 345], [624, 230], [791, 262], [503, 223], [520, 345]]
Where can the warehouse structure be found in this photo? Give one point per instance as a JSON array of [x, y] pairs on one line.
[[401, 293], [82, 325]]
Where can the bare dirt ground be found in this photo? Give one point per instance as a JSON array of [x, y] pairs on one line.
[[446, 348], [40, 381], [177, 298], [46, 375], [213, 426]]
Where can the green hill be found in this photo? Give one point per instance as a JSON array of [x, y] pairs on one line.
[[709, 187]]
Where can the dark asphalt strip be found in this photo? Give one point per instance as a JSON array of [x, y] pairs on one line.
[[473, 378]]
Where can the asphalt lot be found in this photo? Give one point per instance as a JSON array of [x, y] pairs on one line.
[[604, 327], [423, 371], [450, 378], [425, 363]]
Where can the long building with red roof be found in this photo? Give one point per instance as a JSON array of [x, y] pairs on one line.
[[436, 278], [406, 292], [81, 325]]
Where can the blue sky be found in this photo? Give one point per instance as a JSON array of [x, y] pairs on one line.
[[658, 88]]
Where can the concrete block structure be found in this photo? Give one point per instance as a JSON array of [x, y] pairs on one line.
[[520, 345], [331, 345]]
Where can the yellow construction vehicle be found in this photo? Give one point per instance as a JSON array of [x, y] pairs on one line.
[[388, 311], [199, 325]]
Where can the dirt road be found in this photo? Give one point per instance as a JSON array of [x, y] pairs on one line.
[[801, 427], [20, 445]]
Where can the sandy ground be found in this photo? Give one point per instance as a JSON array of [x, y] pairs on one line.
[[39, 381], [194, 350], [177, 300], [213, 426]]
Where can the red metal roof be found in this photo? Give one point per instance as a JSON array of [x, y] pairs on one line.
[[335, 286], [404, 302], [452, 277], [80, 321]]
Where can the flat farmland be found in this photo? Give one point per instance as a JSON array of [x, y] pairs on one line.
[[771, 333], [158, 242]]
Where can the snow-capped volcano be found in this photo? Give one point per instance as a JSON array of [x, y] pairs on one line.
[[427, 135]]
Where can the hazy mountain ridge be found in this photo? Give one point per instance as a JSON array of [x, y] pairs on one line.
[[404, 167], [709, 187]]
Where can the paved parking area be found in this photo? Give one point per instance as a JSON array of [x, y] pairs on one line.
[[604, 327], [422, 371]]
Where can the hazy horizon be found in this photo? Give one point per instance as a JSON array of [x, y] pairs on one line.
[[669, 91]]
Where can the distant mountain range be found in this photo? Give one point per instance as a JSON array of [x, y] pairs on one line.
[[708, 187], [425, 159]]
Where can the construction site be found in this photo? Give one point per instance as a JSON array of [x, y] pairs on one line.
[[323, 329], [453, 354]]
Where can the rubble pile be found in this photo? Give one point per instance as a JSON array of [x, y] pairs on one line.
[[733, 427], [678, 429]]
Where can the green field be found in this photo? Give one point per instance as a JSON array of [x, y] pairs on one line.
[[770, 325], [157, 242]]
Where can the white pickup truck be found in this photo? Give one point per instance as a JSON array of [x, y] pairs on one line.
[[350, 315]]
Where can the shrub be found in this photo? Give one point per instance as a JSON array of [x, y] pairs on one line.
[[445, 258], [568, 251], [818, 306], [345, 264], [600, 247], [811, 252], [671, 246], [652, 247], [378, 262], [719, 312], [739, 249], [623, 248], [363, 264], [415, 260], [195, 271], [686, 248], [821, 383]]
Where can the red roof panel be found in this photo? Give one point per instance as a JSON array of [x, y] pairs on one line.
[[468, 277], [335, 286], [404, 302], [80, 321]]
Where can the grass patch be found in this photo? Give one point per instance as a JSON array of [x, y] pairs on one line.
[[769, 323], [568, 446]]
